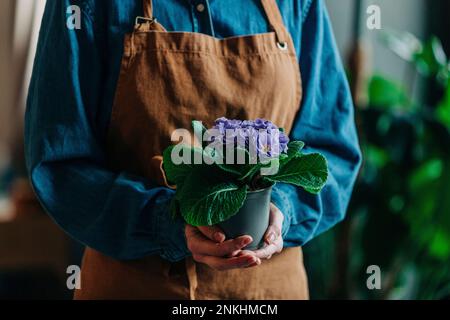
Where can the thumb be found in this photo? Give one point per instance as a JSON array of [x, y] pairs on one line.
[[213, 233], [275, 225]]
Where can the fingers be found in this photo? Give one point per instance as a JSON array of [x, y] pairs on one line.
[[276, 216], [275, 225], [269, 250], [213, 233], [220, 249], [253, 264], [201, 245], [272, 237], [209, 245], [221, 264], [222, 255], [272, 234], [252, 253]]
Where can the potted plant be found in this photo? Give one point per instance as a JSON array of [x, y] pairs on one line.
[[226, 177]]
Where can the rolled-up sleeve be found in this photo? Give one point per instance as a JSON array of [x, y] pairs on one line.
[[120, 215], [326, 123]]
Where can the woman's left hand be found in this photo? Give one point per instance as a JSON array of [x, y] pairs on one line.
[[272, 238]]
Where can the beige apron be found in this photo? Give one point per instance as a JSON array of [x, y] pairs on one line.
[[168, 79]]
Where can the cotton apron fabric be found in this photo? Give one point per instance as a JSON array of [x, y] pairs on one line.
[[168, 79]]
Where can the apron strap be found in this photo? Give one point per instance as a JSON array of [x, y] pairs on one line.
[[275, 20], [148, 9], [270, 7]]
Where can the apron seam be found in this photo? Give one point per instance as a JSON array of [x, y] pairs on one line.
[[251, 55]]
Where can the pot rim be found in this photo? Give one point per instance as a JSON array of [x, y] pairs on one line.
[[259, 190]]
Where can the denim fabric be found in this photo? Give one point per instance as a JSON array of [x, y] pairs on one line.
[[69, 107]]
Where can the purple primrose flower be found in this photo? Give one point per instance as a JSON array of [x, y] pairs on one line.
[[260, 135]]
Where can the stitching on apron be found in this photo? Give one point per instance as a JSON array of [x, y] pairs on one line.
[[213, 55]]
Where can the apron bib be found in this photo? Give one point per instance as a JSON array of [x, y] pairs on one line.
[[168, 79]]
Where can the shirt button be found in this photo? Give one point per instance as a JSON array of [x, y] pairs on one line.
[[200, 7]]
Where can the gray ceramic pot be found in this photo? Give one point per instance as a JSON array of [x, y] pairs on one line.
[[252, 219]]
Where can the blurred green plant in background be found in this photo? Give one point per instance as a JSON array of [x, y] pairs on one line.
[[399, 218]]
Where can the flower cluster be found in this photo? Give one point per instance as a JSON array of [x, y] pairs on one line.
[[259, 135]]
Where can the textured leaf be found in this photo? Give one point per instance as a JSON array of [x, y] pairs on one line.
[[247, 172], [176, 173], [205, 199], [307, 171], [295, 148], [313, 190], [243, 172], [231, 168]]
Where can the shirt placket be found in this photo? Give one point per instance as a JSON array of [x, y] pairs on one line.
[[201, 17]]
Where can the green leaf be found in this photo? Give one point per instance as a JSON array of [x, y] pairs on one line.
[[247, 171], [385, 93], [240, 171], [205, 201], [426, 173], [230, 168], [307, 171], [376, 156], [440, 245], [234, 168], [431, 59], [295, 148], [253, 171], [176, 173], [443, 109], [313, 190]]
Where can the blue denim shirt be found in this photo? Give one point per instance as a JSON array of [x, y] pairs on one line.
[[69, 106]]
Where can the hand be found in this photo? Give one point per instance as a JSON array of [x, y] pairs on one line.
[[208, 246], [272, 238]]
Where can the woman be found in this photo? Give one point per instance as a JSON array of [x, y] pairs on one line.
[[105, 98]]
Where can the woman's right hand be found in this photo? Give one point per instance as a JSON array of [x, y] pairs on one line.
[[208, 246]]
